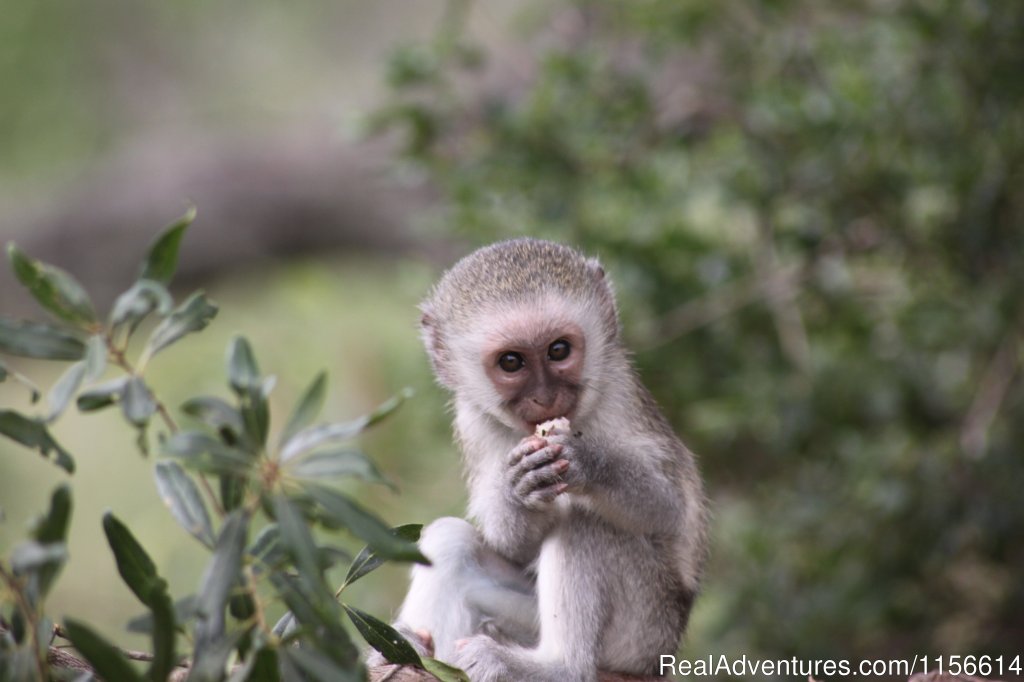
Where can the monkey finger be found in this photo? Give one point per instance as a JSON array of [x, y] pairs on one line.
[[542, 477], [537, 460], [426, 638], [528, 445], [541, 498]]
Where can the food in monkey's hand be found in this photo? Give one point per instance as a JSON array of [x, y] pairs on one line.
[[553, 427]]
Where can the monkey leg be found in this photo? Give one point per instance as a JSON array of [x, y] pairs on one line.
[[571, 606], [468, 589], [605, 599]]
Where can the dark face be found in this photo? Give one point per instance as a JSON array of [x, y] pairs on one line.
[[538, 376]]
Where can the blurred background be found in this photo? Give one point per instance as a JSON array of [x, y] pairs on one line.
[[814, 213]]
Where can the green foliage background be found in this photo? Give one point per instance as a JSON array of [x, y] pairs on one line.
[[814, 213]]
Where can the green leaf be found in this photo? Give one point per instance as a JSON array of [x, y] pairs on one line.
[[334, 463], [140, 300], [256, 415], [259, 666], [285, 625], [53, 288], [133, 563], [343, 511], [301, 607], [243, 372], [218, 414], [95, 357], [33, 434], [54, 526], [110, 664], [203, 453], [232, 491], [308, 407], [101, 395], [53, 529], [29, 556], [141, 441], [6, 371], [297, 541], [140, 575], [222, 574], [319, 618], [187, 443], [184, 611], [164, 636], [265, 549], [38, 340], [245, 380], [19, 663], [367, 560], [162, 259], [137, 402], [443, 671], [180, 494], [314, 436], [388, 406], [211, 661], [50, 563], [191, 316], [64, 389], [383, 638]]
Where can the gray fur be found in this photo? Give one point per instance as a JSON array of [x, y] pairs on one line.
[[608, 569]]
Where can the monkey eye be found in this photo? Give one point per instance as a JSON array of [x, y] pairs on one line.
[[511, 362], [559, 350]]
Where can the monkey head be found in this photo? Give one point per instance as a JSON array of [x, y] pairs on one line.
[[522, 330]]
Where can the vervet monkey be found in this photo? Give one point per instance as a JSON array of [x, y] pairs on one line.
[[589, 542]]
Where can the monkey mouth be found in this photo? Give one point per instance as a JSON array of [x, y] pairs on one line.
[[532, 423]]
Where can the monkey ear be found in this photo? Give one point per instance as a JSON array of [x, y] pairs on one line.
[[606, 298], [437, 350]]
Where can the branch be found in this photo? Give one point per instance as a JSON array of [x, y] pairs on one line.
[[700, 312], [11, 580], [789, 323], [993, 388], [121, 360]]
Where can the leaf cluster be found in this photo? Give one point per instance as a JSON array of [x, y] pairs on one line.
[[253, 501]]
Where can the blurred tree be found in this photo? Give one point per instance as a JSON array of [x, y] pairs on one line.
[[814, 211]]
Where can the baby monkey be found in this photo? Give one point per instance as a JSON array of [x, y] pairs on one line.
[[590, 532]]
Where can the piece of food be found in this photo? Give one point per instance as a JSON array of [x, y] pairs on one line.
[[553, 427]]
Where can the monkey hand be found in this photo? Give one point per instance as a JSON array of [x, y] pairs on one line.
[[576, 472], [481, 658], [534, 475]]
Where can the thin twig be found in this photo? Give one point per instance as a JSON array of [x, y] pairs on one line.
[[121, 360], [789, 323], [131, 654], [700, 312], [389, 675], [995, 383], [28, 612]]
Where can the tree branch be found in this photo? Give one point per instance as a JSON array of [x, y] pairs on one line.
[[995, 383]]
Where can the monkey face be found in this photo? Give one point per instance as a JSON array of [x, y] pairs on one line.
[[536, 369]]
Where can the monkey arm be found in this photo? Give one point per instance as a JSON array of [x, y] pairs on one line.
[[514, 498], [633, 485], [507, 525]]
